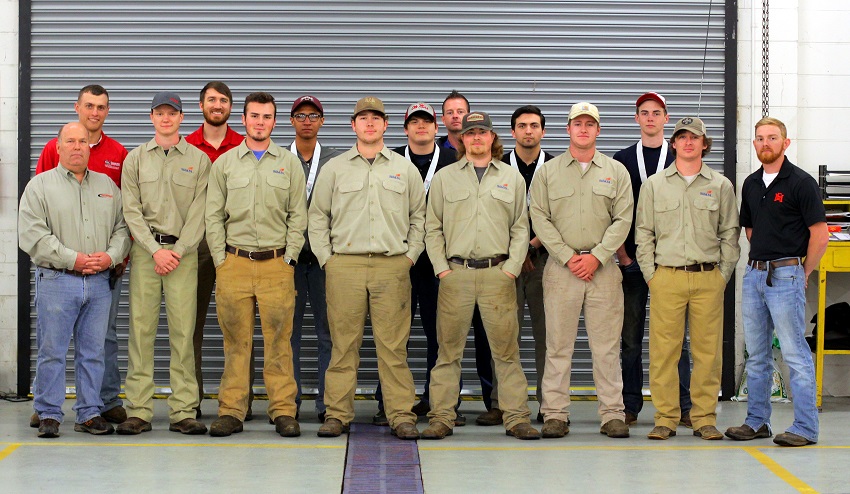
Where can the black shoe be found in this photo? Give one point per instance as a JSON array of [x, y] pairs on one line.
[[460, 419], [198, 413], [421, 409], [249, 416], [322, 416], [95, 425], [540, 418], [380, 419], [48, 428]]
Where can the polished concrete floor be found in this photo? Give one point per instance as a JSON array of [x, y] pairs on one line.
[[474, 460]]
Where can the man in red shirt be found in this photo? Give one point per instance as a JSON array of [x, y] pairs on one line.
[[214, 138], [107, 156]]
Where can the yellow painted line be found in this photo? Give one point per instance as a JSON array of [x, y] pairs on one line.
[[184, 445], [779, 471], [8, 450], [603, 448]]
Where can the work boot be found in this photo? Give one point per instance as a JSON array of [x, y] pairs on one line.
[[709, 433], [48, 428], [287, 426], [746, 433], [406, 430], [380, 419], [225, 426], [436, 430], [96, 426], [554, 428], [787, 439], [661, 433], [188, 426], [523, 430], [615, 428], [133, 426], [332, 428], [490, 417], [117, 415]]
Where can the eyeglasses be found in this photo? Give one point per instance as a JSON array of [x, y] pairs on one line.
[[303, 116]]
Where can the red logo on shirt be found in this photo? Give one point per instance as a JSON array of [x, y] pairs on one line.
[[778, 197], [105, 196]]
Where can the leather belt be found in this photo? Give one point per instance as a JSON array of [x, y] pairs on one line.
[[263, 255], [696, 268], [765, 265], [165, 239], [769, 266], [479, 263], [68, 271]]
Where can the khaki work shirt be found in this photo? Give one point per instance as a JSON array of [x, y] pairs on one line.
[[165, 194], [358, 208], [256, 205], [59, 217], [679, 224], [473, 220], [574, 210]]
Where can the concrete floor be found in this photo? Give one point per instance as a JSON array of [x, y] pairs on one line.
[[476, 459]]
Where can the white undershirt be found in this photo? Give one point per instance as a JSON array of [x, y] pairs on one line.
[[690, 178], [768, 178], [584, 166]]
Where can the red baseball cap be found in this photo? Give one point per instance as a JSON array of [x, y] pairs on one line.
[[307, 99], [652, 96]]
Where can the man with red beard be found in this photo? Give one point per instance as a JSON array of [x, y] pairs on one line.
[[785, 222], [214, 137]]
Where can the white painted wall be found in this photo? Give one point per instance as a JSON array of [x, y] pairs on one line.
[[809, 84], [8, 194]]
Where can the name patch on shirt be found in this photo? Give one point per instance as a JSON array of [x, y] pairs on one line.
[[280, 171], [191, 169], [605, 180], [114, 165]]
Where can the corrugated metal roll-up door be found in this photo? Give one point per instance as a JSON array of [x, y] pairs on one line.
[[500, 54]]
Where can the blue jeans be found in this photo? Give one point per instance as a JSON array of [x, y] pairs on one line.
[[66, 306], [111, 376], [780, 308], [310, 282], [635, 294]]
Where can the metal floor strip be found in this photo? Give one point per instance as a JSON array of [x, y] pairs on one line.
[[376, 462]]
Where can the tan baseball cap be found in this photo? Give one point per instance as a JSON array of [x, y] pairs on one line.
[[369, 103], [691, 124], [584, 108]]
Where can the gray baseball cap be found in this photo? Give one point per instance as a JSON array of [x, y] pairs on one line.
[[166, 98], [476, 120]]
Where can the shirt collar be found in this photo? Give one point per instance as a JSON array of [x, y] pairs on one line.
[[494, 162], [180, 146], [594, 160], [243, 148]]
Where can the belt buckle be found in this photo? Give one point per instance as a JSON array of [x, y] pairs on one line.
[[466, 264], [250, 256]]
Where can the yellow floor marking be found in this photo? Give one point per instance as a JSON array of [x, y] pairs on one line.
[[183, 445], [8, 450], [601, 448], [779, 471]]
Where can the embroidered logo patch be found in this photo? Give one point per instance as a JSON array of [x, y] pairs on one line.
[[778, 197], [105, 196], [606, 180], [279, 171], [475, 117], [397, 176], [191, 169], [114, 165], [502, 186], [706, 193]]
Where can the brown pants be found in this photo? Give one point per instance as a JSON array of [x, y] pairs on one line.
[[244, 285], [495, 293], [377, 285]]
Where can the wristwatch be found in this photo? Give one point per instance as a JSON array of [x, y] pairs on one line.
[[292, 262], [532, 250]]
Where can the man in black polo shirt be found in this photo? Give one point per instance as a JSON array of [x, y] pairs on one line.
[[644, 159], [782, 212], [528, 127], [420, 125]]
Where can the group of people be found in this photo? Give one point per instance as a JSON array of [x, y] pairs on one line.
[[454, 227]]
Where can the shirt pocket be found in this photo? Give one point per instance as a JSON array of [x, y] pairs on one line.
[[351, 197], [238, 193], [705, 215], [667, 216], [392, 194], [603, 199], [560, 200], [504, 199], [458, 206], [184, 187], [149, 183], [277, 193]]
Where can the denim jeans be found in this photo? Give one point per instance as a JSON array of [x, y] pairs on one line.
[[310, 282], [635, 294], [780, 308], [70, 306], [111, 376]]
